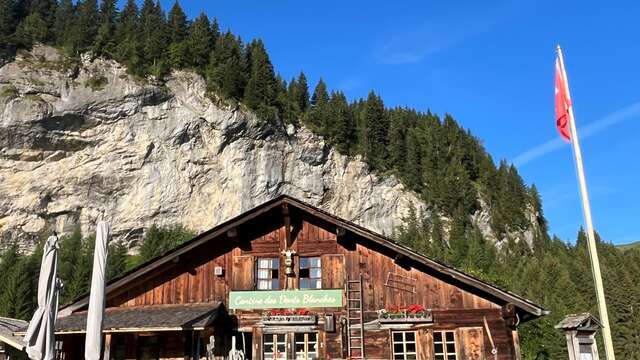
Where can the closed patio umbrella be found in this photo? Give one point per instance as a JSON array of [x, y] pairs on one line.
[[93, 341], [40, 336]]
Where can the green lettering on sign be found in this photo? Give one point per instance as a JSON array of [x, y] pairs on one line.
[[285, 299]]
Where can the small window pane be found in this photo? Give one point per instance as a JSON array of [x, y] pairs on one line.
[[451, 357], [404, 345], [318, 284], [451, 348], [304, 273], [437, 336], [275, 284], [449, 335], [440, 357], [304, 262], [316, 273], [438, 348]]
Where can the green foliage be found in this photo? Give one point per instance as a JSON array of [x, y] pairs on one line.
[[435, 157], [158, 240], [19, 280], [9, 91], [557, 277], [96, 82]]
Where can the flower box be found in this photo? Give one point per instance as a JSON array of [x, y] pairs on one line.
[[415, 313], [405, 317], [289, 319]]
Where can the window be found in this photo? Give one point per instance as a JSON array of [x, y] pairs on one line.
[[444, 345], [310, 273], [268, 273], [306, 345], [274, 346], [148, 348], [404, 345]]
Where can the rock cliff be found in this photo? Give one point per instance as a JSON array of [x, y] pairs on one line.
[[81, 141]]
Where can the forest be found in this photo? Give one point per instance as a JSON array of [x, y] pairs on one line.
[[431, 154]]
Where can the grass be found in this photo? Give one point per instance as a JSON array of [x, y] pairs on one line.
[[633, 245], [96, 83], [9, 91]]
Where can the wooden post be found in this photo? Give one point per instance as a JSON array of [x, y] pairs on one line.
[[107, 347], [593, 251]]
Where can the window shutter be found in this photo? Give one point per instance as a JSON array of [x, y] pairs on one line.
[[332, 271], [472, 343], [242, 275]]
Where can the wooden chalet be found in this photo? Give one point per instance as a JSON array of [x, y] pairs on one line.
[[286, 280]]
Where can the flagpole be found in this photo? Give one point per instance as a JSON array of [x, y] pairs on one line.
[[591, 243]]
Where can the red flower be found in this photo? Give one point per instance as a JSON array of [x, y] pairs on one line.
[[303, 312]]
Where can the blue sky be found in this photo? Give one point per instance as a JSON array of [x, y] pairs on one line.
[[490, 64]]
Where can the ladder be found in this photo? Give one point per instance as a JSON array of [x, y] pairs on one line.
[[355, 318]]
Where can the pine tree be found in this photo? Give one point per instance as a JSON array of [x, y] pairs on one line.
[[226, 70], [261, 91], [63, 21], [376, 127], [199, 42], [128, 49], [153, 39], [302, 93], [32, 29], [117, 260], [159, 240], [105, 39], [85, 26], [8, 16], [318, 109], [344, 129], [177, 27]]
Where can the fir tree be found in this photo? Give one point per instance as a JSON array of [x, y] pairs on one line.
[[63, 21], [85, 26], [226, 70], [177, 27], [8, 17], [199, 42], [344, 132], [105, 38], [261, 91], [318, 109], [376, 127], [128, 49], [302, 93], [153, 39]]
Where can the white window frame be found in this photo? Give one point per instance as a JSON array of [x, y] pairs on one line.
[[270, 270], [309, 352], [405, 354], [445, 355], [274, 340], [316, 280]]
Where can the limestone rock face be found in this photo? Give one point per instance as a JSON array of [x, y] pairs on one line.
[[83, 141]]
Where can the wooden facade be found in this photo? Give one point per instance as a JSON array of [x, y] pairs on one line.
[[467, 318]]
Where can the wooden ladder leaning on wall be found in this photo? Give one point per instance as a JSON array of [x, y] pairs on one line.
[[355, 318]]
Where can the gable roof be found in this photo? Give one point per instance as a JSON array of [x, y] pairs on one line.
[[528, 309]]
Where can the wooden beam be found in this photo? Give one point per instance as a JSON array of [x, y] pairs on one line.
[[287, 225]]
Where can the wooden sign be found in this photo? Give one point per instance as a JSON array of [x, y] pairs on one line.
[[286, 299]]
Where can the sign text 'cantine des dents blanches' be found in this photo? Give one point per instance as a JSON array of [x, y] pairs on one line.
[[285, 299]]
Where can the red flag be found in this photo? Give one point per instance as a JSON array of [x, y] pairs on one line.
[[563, 103]]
